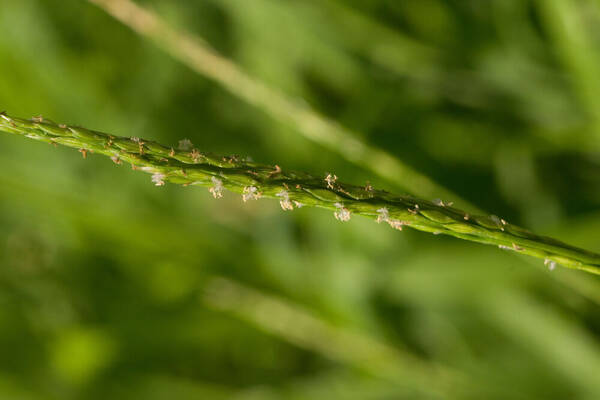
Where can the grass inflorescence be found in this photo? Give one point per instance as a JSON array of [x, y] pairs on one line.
[[186, 165]]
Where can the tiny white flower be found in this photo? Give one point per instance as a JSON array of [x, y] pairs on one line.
[[298, 204], [285, 202], [158, 179], [551, 264], [251, 193], [383, 216], [185, 145], [135, 139], [397, 224], [342, 213], [503, 247], [330, 179], [217, 189]]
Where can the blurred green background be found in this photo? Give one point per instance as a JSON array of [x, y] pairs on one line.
[[111, 287]]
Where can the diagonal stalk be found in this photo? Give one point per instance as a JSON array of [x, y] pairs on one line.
[[188, 166]]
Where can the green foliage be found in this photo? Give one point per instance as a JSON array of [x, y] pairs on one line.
[[111, 287]]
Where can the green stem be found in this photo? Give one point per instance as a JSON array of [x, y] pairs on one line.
[[297, 189]]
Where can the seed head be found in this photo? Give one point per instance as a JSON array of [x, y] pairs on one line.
[[251, 193], [158, 179], [285, 202], [342, 213], [217, 189]]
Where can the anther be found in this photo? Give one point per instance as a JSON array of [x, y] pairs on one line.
[[415, 210], [497, 221], [185, 145], [341, 213], [550, 264], [383, 215], [440, 202], [158, 179], [285, 202], [217, 189], [396, 224], [330, 179], [195, 154], [277, 171], [251, 193]]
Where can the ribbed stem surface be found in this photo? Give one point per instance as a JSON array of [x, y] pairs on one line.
[[188, 166]]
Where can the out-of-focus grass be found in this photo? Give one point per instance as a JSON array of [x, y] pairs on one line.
[[103, 274]]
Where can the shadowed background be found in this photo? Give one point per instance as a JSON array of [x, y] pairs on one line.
[[112, 287]]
